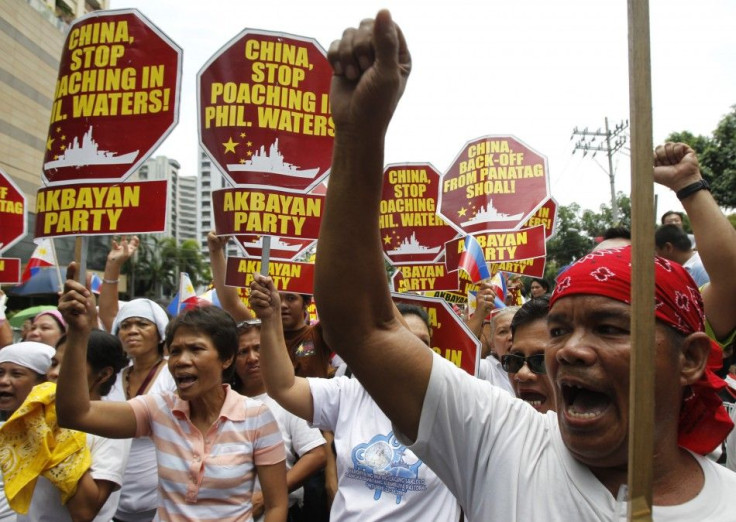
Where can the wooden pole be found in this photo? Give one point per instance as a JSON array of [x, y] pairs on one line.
[[80, 256], [641, 386]]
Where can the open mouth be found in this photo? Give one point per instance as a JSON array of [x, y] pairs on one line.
[[185, 381], [533, 398], [583, 403]]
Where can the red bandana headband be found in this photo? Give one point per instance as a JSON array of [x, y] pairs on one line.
[[704, 422]]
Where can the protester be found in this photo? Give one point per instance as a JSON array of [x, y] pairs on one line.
[[140, 325], [378, 478], [525, 361], [47, 328], [210, 441], [493, 452], [538, 287], [306, 449], [52, 473], [671, 242]]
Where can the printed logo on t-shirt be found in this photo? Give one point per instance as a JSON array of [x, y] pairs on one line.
[[382, 464], [305, 349]]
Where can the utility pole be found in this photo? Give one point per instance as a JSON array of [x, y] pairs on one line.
[[612, 140]]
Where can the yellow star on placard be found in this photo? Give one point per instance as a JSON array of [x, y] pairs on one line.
[[49, 142], [242, 135], [387, 239], [230, 146], [462, 211]]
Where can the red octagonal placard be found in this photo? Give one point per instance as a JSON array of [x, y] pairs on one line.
[[12, 212], [264, 111], [116, 99], [496, 182]]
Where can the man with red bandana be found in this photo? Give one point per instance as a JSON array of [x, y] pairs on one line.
[[502, 459]]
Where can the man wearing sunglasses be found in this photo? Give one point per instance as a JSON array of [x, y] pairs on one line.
[[525, 361], [502, 459]]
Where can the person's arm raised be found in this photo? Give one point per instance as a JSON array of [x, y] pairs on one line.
[[371, 65], [116, 258], [227, 295], [291, 392], [110, 419], [676, 167]]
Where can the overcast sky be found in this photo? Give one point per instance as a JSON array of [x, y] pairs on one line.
[[534, 69]]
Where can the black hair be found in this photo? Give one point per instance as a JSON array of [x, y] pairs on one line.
[[616, 233], [674, 235], [534, 309], [103, 350], [542, 282], [307, 299], [216, 324], [411, 309], [671, 212]]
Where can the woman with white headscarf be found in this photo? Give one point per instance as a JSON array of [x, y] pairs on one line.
[[140, 325]]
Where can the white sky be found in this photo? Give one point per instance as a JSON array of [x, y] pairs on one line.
[[531, 68]]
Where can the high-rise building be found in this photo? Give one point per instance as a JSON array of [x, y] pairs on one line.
[[181, 201], [32, 34], [209, 180]]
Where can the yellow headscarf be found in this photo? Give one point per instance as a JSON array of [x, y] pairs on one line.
[[32, 444]]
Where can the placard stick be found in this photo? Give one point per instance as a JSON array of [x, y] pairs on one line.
[[59, 280], [80, 256], [265, 254], [641, 386]]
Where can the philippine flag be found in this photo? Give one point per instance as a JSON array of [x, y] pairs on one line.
[[185, 297], [472, 260], [499, 285], [42, 257]]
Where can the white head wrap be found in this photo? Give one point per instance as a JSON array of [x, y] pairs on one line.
[[146, 309], [29, 354]]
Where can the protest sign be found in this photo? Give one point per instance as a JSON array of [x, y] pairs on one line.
[[12, 212], [264, 111], [496, 182], [287, 276], [116, 98]]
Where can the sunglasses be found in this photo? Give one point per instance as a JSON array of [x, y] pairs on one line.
[[513, 363]]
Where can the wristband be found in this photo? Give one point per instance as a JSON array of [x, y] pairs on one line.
[[692, 189], [110, 281]]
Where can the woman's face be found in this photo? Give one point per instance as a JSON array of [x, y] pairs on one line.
[[16, 382], [195, 364], [45, 329], [139, 336]]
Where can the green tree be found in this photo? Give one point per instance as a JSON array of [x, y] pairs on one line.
[[596, 223], [569, 242], [159, 260], [717, 155]]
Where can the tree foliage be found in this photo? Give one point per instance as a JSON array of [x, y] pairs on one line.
[[717, 156], [160, 260]]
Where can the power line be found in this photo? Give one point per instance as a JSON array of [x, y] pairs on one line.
[[609, 141]]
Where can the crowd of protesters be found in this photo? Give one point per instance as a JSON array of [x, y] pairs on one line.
[[242, 412]]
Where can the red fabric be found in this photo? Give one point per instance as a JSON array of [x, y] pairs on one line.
[[704, 422]]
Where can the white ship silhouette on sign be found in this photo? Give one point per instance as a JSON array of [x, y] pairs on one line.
[[410, 245], [272, 163], [88, 154], [490, 214], [276, 244]]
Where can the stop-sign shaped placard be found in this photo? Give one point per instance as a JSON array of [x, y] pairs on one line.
[[12, 212], [264, 111], [496, 182], [116, 99], [451, 337], [411, 229]]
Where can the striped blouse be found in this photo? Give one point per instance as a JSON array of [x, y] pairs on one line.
[[208, 476]]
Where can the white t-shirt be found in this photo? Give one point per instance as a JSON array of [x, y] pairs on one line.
[[472, 433], [109, 457], [490, 369], [298, 436], [378, 478], [139, 494]]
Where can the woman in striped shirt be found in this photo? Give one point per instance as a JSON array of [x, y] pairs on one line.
[[210, 441]]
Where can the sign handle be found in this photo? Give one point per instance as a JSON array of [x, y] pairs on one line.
[[641, 387], [80, 256], [265, 255]]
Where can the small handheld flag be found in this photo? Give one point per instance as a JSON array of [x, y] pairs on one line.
[[472, 260]]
